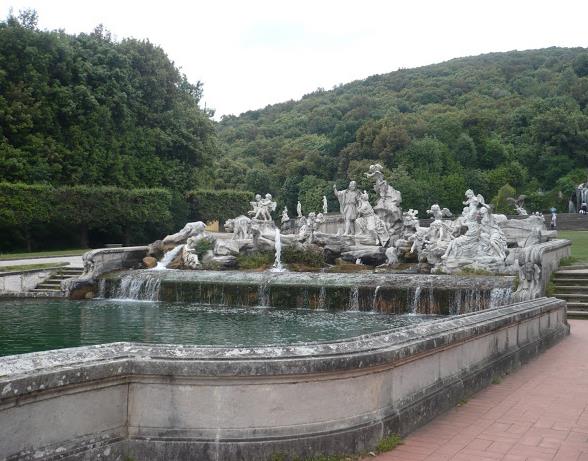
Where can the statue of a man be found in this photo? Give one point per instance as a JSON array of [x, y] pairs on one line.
[[349, 201], [299, 209], [325, 205]]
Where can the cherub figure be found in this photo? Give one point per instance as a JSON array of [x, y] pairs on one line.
[[256, 205]]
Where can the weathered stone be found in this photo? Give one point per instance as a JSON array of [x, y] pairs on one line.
[[149, 262], [138, 395], [227, 247], [370, 255]]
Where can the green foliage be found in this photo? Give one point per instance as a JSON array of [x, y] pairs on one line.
[[473, 271], [515, 118], [255, 260], [211, 205], [388, 443], [203, 245], [81, 207], [309, 257], [312, 190], [85, 109], [568, 261], [579, 241], [500, 202]]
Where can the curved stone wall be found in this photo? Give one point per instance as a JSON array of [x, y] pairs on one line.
[[151, 402]]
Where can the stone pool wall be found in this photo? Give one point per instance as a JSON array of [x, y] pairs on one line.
[[156, 402], [382, 292]]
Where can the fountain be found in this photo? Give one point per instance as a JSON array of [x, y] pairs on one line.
[[217, 362]]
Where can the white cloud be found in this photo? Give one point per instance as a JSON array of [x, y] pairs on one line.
[[250, 54]]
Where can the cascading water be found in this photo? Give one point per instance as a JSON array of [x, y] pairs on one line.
[[415, 300], [263, 294], [375, 300], [168, 258], [139, 286], [322, 298], [278, 245], [354, 299]]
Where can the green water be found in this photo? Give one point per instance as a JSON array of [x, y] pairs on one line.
[[37, 325]]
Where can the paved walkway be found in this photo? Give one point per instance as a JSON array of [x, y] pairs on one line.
[[74, 261], [540, 412]]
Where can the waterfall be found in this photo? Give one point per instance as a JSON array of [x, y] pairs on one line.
[[322, 298], [354, 299], [263, 294], [375, 300], [141, 286], [102, 288], [278, 245], [415, 300], [168, 258]]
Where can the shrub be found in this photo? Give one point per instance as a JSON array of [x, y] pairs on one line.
[[310, 257], [256, 260]]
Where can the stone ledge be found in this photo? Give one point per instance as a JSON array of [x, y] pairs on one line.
[[187, 402]]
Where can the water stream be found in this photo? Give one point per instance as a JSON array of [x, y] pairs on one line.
[[168, 258]]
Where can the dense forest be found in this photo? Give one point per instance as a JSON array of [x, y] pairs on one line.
[[85, 110], [92, 112], [501, 123]]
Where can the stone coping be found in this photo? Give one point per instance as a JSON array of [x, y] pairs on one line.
[[28, 373], [318, 279]]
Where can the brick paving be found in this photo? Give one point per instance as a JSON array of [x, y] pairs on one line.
[[540, 412]]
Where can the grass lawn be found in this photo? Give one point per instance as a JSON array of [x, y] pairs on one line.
[[40, 254], [26, 267], [579, 244]]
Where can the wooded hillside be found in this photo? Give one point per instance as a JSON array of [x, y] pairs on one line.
[[518, 119]]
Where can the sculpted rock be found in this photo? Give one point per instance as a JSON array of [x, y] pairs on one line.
[[149, 262], [240, 227], [189, 230], [227, 247], [369, 255]]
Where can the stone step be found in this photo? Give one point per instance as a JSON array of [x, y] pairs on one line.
[[569, 282], [577, 306], [571, 275], [574, 267], [578, 289], [572, 297], [49, 285], [579, 315]]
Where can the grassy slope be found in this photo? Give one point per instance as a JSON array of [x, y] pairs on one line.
[[42, 254], [579, 244]]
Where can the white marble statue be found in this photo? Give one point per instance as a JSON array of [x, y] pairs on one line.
[[285, 217], [189, 256], [262, 208], [369, 223], [239, 226], [299, 209], [483, 245], [519, 204], [349, 202], [256, 205], [325, 205], [190, 229], [389, 199]]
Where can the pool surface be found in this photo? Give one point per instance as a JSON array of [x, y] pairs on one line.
[[37, 325]]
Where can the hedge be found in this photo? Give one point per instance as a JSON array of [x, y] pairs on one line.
[[82, 207], [212, 205]]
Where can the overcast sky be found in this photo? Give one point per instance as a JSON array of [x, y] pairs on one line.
[[252, 53]]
